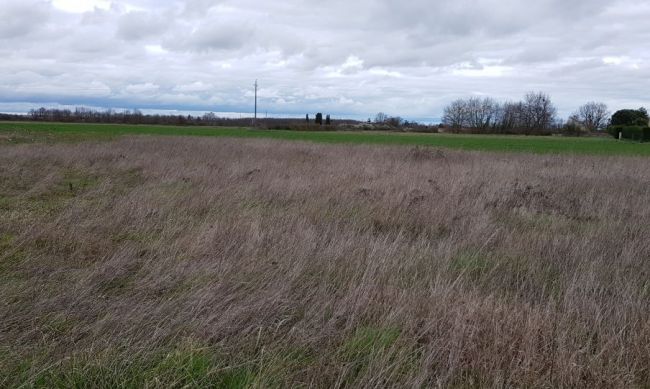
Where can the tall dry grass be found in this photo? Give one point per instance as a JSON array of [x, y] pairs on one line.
[[300, 264]]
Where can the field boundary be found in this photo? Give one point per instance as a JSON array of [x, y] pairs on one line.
[[54, 132]]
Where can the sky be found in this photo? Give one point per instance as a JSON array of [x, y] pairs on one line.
[[344, 57]]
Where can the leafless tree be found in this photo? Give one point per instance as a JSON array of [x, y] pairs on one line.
[[510, 116], [476, 113], [539, 113], [593, 116], [380, 117], [456, 114], [481, 112]]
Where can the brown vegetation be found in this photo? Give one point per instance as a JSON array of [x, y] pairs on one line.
[[275, 264]]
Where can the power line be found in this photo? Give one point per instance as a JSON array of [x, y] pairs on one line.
[[255, 117]]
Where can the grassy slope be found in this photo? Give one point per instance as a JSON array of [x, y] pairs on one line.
[[541, 145]]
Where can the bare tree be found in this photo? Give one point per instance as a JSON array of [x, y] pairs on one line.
[[481, 112], [511, 116], [456, 114], [539, 113], [380, 117], [593, 116], [475, 112], [535, 114]]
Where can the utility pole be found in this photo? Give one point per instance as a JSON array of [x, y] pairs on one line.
[[255, 118]]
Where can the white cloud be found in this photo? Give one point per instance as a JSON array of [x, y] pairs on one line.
[[155, 49]]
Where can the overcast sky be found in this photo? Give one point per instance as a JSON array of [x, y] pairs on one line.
[[345, 57]]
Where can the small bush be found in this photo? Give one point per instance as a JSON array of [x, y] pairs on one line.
[[573, 129]]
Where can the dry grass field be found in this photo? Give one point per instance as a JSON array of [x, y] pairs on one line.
[[172, 262]]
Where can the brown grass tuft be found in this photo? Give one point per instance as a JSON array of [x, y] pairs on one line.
[[263, 263]]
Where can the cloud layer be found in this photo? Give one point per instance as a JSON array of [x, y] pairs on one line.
[[347, 58]]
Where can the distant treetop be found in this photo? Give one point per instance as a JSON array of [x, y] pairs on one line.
[[630, 117]]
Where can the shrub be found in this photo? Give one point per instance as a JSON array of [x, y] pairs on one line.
[[573, 129], [638, 133]]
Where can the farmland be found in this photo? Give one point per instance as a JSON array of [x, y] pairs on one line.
[[27, 132], [130, 256]]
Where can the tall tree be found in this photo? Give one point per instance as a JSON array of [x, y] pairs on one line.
[[539, 113], [481, 112], [456, 114], [593, 115]]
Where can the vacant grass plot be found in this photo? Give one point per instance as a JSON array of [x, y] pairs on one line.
[[168, 261], [13, 133]]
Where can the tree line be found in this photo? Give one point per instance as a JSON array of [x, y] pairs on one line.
[[535, 114], [87, 115]]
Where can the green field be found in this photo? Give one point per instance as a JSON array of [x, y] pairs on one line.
[[16, 132]]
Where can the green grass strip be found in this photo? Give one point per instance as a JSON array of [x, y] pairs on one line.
[[54, 132]]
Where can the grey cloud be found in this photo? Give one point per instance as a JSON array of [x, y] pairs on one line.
[[197, 8], [220, 35], [405, 58], [137, 25], [19, 18]]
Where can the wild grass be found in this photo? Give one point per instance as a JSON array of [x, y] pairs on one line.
[[193, 262], [25, 132]]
